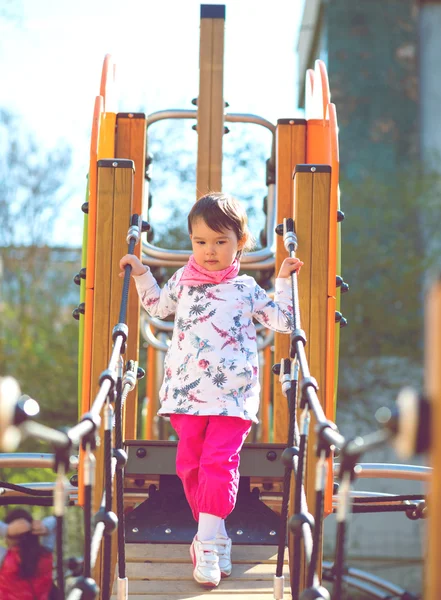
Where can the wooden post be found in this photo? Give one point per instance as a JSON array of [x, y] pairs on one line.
[[290, 150], [131, 144], [211, 106], [312, 223], [114, 200], [433, 390]]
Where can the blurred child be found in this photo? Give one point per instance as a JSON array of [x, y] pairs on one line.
[[26, 568]]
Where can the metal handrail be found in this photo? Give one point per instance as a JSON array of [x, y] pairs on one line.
[[177, 113]]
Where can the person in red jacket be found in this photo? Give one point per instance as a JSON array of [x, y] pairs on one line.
[[26, 571]]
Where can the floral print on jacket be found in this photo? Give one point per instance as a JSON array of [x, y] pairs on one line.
[[211, 366]]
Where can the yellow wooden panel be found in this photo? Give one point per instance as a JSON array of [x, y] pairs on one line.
[[122, 200], [303, 204], [121, 221], [290, 150], [106, 144], [101, 300], [217, 105], [204, 108], [319, 311], [319, 314], [210, 117], [101, 323], [131, 144], [114, 190], [311, 198], [303, 221], [319, 276]]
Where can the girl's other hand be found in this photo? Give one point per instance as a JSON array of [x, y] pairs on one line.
[[288, 266], [137, 267]]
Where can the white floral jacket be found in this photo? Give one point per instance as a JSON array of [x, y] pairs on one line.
[[211, 367]]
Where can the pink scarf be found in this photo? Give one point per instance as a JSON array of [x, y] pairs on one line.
[[194, 274]]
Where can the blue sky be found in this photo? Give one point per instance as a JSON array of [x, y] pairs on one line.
[[51, 56]]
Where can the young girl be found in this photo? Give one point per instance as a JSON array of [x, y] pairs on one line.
[[26, 570], [211, 384]]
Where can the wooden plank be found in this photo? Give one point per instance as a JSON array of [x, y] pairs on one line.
[[188, 586], [122, 204], [303, 223], [433, 390], [131, 144], [210, 113], [101, 303], [183, 571], [204, 112], [312, 206], [161, 570], [227, 586], [319, 277], [318, 333], [113, 210], [303, 203], [180, 552], [290, 150], [319, 351], [284, 195], [220, 595], [121, 221], [217, 105], [101, 300]]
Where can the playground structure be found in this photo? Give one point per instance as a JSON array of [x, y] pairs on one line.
[[303, 195]]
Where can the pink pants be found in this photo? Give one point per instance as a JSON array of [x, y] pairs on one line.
[[207, 461]]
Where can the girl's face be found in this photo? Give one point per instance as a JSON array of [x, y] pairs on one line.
[[213, 250]]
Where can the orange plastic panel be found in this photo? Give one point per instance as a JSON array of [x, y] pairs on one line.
[[107, 85]]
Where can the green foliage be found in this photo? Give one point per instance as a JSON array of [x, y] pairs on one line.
[[38, 337], [387, 249]]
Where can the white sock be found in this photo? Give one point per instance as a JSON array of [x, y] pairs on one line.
[[222, 529], [208, 526]]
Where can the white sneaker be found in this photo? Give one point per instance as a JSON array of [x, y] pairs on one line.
[[206, 562], [223, 545]]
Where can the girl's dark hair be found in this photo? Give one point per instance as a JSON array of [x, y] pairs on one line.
[[220, 212], [29, 546]]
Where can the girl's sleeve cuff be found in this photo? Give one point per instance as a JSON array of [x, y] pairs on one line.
[[282, 283], [144, 281]]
